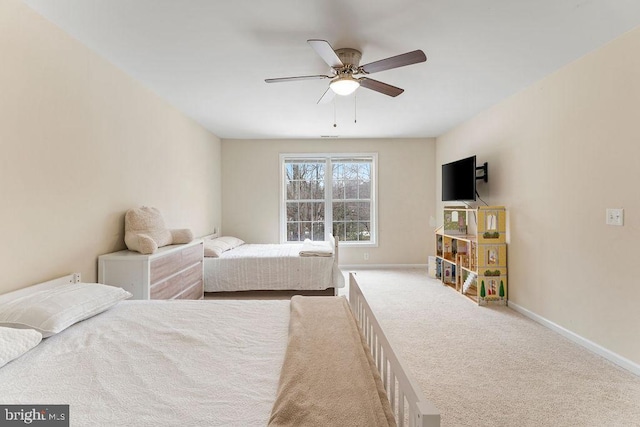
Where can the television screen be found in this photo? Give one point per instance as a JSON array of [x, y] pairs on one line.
[[459, 180]]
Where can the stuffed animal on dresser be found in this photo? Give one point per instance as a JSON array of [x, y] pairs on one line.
[[145, 231]]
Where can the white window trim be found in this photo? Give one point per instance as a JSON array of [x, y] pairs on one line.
[[328, 195]]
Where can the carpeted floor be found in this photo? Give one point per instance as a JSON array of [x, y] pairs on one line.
[[492, 366]]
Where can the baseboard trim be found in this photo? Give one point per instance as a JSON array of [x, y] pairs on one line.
[[621, 361], [380, 266]]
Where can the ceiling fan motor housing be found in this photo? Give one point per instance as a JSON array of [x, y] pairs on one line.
[[349, 57]]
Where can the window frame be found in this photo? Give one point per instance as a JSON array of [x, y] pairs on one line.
[[328, 158]]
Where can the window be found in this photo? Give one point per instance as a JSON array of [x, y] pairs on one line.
[[305, 200], [325, 194]]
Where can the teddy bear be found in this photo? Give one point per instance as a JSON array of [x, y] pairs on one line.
[[145, 231]]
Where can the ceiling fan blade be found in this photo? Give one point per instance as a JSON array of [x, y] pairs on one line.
[[326, 52], [380, 87], [327, 96], [292, 79], [394, 62]]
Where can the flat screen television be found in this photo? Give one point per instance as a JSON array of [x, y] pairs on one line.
[[459, 180]]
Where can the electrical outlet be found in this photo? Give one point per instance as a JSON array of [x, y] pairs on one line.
[[615, 216], [366, 256]]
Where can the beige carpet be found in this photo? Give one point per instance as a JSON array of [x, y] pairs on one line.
[[492, 366]]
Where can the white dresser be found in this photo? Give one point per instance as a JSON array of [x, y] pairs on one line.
[[172, 272]]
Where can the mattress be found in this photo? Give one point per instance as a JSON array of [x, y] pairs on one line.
[[149, 363], [270, 267]]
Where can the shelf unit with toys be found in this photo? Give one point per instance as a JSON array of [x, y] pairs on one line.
[[471, 252]]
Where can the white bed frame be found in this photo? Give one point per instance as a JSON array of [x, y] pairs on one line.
[[335, 252], [407, 401], [70, 278]]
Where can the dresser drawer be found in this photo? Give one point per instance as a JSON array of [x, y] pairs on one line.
[[173, 286], [168, 265], [196, 291], [172, 271]]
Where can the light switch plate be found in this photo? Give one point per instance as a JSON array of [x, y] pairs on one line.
[[615, 216]]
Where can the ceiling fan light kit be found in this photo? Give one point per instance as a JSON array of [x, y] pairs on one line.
[[344, 85], [345, 64]]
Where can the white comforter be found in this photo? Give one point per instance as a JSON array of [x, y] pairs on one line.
[[270, 267], [153, 363]]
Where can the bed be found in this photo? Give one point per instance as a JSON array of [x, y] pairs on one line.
[[200, 363], [238, 266]]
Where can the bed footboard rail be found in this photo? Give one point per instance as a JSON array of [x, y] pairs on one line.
[[408, 404]]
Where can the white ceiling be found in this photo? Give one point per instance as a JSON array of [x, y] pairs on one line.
[[209, 58]]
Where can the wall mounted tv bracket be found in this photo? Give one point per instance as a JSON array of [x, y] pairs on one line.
[[485, 169]]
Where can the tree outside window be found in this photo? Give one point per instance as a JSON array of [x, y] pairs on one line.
[[305, 200]]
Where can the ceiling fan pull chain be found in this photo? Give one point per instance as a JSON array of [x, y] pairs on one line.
[[355, 108], [334, 113]]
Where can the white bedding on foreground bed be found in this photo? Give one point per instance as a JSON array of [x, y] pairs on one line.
[[251, 267], [202, 363], [223, 358]]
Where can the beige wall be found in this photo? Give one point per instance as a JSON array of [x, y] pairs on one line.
[[560, 153], [80, 143], [406, 176]]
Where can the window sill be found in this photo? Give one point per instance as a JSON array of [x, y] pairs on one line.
[[357, 244]]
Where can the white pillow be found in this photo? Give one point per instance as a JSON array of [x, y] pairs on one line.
[[215, 247], [233, 242], [53, 310], [16, 342]]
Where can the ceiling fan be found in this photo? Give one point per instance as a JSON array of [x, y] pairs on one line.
[[346, 70]]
